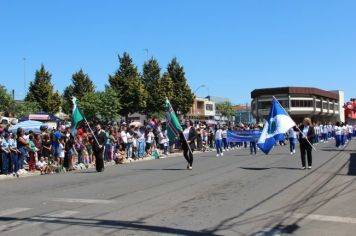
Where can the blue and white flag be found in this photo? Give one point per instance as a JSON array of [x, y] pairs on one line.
[[275, 127]]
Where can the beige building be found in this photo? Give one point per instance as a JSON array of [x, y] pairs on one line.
[[300, 102], [202, 109]]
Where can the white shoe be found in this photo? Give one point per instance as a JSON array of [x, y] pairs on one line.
[[303, 168], [309, 167], [291, 153], [217, 155], [294, 151], [222, 154]]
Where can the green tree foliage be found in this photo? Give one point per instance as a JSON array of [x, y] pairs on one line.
[[127, 84], [81, 85], [164, 90], [183, 96], [5, 99], [89, 104], [25, 108], [102, 106], [151, 78], [225, 109], [41, 92], [109, 105]]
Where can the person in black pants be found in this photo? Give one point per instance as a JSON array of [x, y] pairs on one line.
[[188, 137], [98, 148], [307, 134]]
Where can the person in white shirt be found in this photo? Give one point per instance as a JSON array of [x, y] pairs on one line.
[[224, 138], [42, 166], [338, 134], [149, 136], [292, 135], [218, 141]]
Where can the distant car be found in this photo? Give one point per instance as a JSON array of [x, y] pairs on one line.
[[5, 120]]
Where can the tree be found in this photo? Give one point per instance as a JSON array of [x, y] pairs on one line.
[[41, 92], [127, 84], [183, 96], [164, 90], [81, 85], [25, 108], [109, 105], [103, 106], [225, 109], [5, 99], [89, 104], [151, 78]]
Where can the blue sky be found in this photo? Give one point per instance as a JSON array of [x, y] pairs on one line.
[[232, 47]]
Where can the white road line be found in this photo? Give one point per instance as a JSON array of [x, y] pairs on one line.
[[13, 211], [79, 200], [337, 219], [36, 220]]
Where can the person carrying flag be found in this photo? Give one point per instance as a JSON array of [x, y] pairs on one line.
[[174, 130], [188, 137], [305, 142]]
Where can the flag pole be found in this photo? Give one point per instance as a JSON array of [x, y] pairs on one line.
[[295, 124], [190, 150], [97, 142]]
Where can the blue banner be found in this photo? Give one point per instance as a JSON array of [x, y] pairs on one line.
[[243, 135]]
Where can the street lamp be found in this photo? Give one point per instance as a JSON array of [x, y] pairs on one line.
[[200, 86]]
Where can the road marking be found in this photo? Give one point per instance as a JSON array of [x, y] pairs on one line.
[[36, 220], [338, 219], [13, 211], [79, 200]]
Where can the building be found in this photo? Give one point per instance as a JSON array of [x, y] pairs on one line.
[[244, 115], [202, 109], [218, 117], [300, 102], [350, 111]]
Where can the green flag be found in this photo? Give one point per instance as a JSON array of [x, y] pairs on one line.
[[77, 115], [173, 125]]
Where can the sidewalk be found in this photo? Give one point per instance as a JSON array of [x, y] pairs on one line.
[[92, 166]]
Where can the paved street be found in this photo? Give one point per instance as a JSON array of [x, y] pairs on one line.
[[238, 194]]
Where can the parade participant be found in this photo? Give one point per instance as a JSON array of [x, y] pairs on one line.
[[305, 139], [292, 135], [99, 147], [218, 141], [188, 137], [338, 133]]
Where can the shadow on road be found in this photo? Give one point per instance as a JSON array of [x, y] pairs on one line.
[[104, 224], [267, 168], [352, 164]]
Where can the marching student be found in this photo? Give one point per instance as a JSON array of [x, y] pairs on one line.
[[338, 134], [292, 135], [218, 141], [188, 137], [306, 135]]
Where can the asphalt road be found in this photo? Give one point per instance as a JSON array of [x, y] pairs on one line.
[[237, 194]]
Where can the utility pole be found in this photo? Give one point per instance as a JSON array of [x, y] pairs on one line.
[[24, 76]]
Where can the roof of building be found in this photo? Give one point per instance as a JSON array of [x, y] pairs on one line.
[[242, 108], [294, 90], [218, 100]]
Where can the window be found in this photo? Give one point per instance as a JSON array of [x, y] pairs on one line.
[[302, 103], [209, 107], [318, 104], [325, 105]]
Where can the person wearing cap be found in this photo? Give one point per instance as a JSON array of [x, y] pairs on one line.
[[188, 137]]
